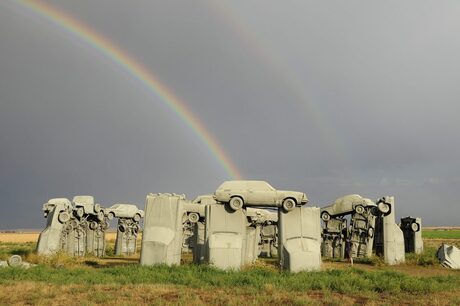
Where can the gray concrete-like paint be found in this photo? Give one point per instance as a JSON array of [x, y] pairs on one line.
[[225, 235], [199, 250], [333, 238], [162, 236], [76, 227], [361, 233], [58, 214], [389, 239], [300, 239], [449, 256], [127, 232], [412, 231]]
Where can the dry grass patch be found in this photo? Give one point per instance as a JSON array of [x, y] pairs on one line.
[[156, 294]]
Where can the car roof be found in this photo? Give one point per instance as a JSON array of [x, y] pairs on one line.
[[242, 184]]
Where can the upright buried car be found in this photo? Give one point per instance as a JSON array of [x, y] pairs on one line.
[[257, 193]]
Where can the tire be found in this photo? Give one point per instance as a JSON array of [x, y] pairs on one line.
[[384, 208], [360, 209], [110, 215], [137, 217], [289, 204], [415, 226], [93, 225], [122, 228], [97, 208], [15, 261], [325, 216], [236, 203], [193, 217], [63, 217], [375, 211], [100, 216], [74, 223]]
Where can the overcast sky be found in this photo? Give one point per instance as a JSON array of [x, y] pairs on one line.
[[325, 97]]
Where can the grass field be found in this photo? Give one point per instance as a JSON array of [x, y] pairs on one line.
[[441, 234], [61, 279]]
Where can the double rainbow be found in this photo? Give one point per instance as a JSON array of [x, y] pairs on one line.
[[138, 72]]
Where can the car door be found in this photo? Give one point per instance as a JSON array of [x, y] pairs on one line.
[[262, 194]]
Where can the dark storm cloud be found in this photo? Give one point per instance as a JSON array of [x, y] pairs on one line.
[[328, 98]]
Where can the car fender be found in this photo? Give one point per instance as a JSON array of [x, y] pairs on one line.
[[237, 195]]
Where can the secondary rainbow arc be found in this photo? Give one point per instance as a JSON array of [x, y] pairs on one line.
[[139, 72]]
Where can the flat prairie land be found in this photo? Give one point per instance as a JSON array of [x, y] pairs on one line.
[[113, 280], [441, 233], [18, 237]]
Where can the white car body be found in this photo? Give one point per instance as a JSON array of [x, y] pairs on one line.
[[257, 193], [124, 211], [346, 205]]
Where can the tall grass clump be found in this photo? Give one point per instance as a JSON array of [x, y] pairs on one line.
[[426, 258]]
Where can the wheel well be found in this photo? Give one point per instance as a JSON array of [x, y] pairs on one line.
[[295, 201], [325, 212], [238, 196]]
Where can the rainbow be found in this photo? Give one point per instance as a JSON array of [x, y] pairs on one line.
[[138, 72], [288, 77]]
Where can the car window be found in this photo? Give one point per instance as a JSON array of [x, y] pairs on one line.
[[264, 186]]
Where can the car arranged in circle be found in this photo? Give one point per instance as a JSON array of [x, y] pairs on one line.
[[352, 203], [124, 211], [241, 193]]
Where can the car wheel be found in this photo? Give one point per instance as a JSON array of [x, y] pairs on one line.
[[288, 204], [415, 227], [359, 209], [93, 225], [193, 217], [74, 223], [110, 215], [63, 217], [325, 216], [236, 203], [375, 211], [15, 261], [384, 208], [122, 228], [137, 217], [100, 216], [97, 208]]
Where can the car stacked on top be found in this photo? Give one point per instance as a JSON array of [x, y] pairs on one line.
[[257, 193]]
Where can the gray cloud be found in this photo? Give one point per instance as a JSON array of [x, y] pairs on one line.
[[328, 98]]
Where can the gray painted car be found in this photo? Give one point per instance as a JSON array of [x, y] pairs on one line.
[[124, 211], [346, 205], [257, 193], [84, 205]]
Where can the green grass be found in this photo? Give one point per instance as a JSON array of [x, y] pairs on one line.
[[199, 276], [8, 248], [441, 234]]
